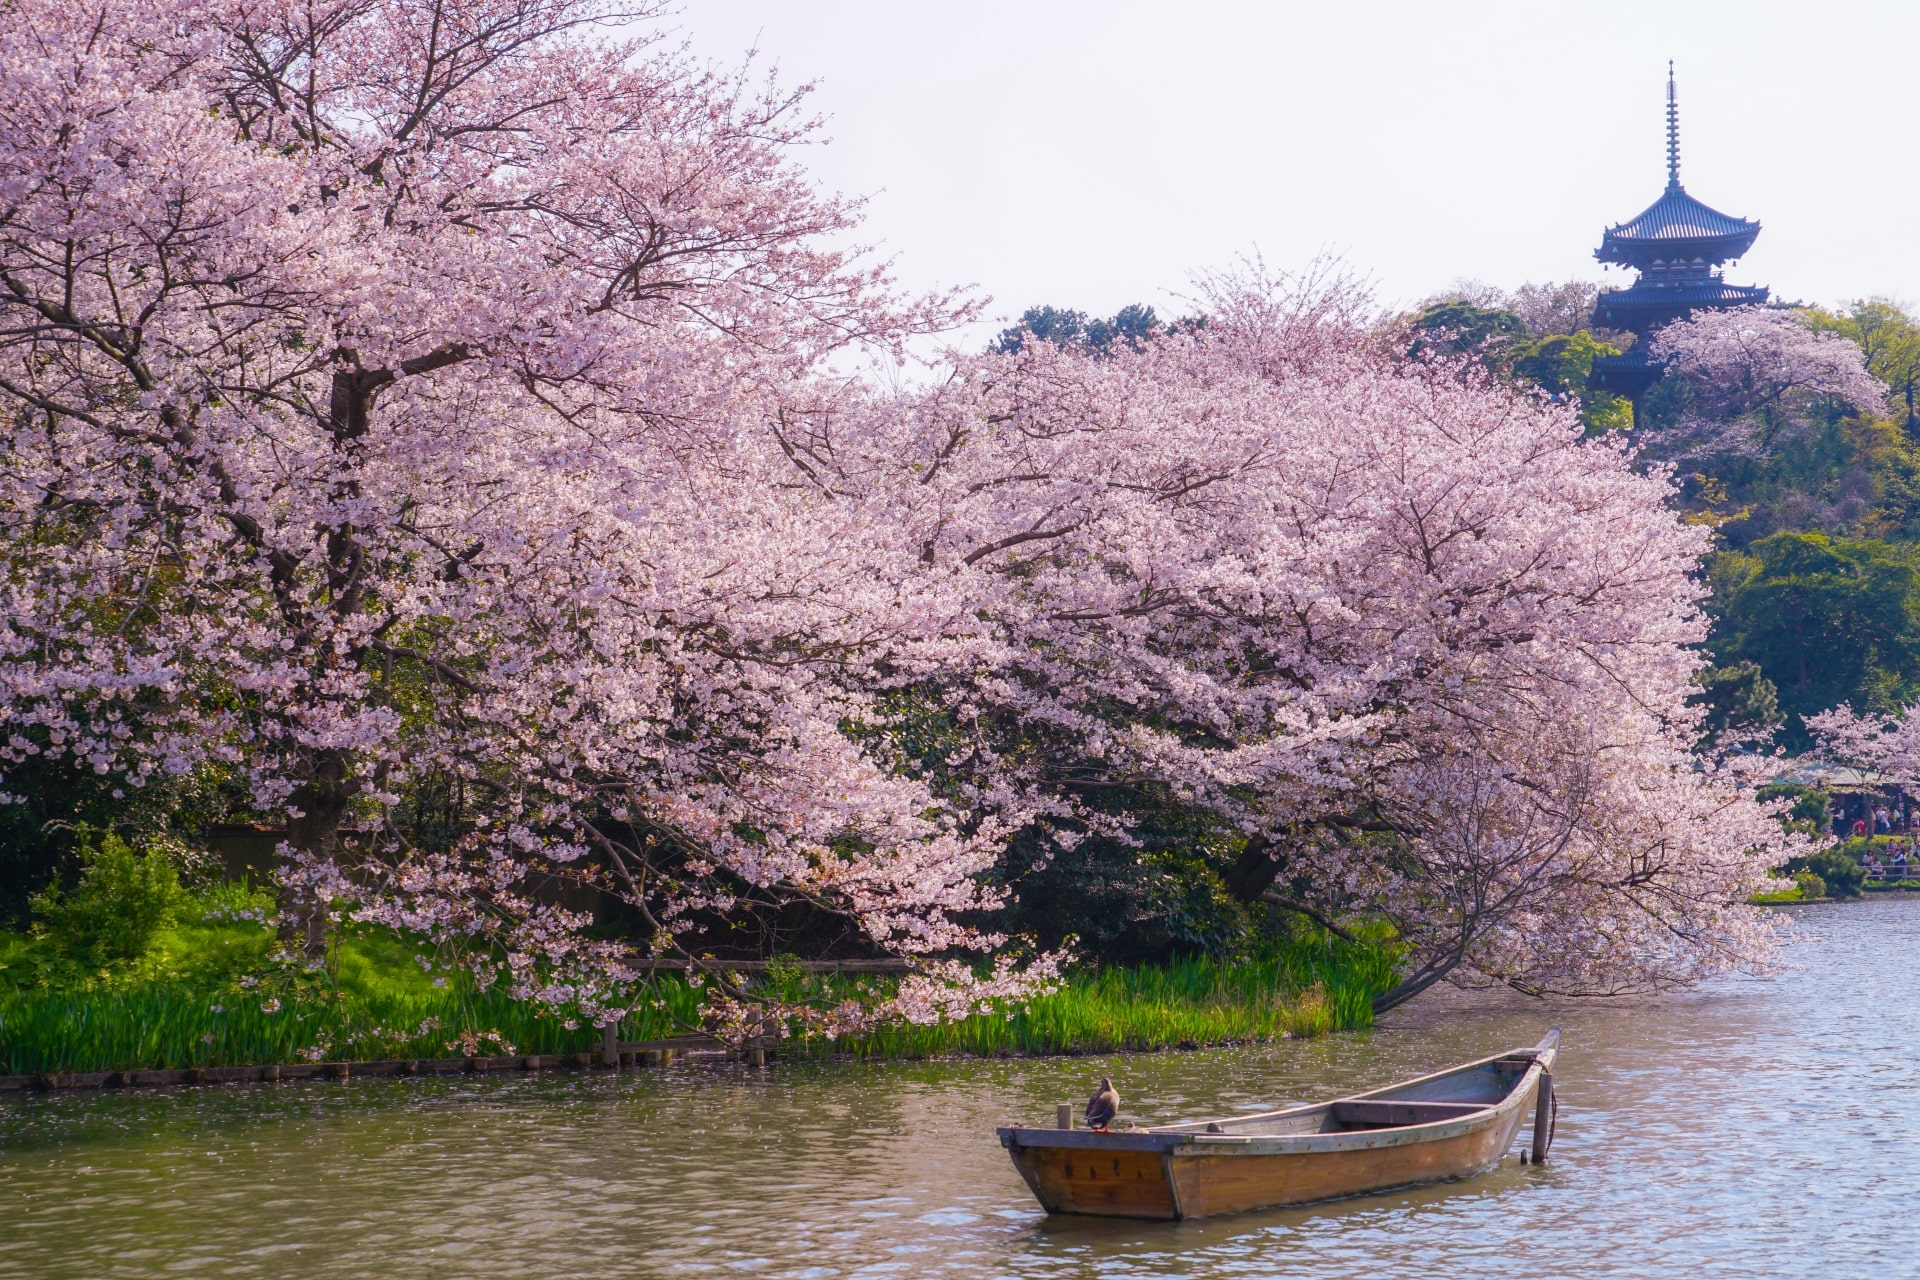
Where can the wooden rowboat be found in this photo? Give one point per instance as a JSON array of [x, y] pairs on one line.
[[1448, 1125]]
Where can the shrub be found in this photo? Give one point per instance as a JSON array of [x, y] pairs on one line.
[[122, 901], [1839, 870], [1811, 811], [1810, 885]]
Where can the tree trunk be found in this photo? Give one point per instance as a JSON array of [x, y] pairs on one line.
[[1255, 870], [315, 834], [1426, 977]]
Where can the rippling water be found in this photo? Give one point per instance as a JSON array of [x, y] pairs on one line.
[[1757, 1129]]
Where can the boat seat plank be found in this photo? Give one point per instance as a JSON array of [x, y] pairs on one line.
[[1384, 1114]]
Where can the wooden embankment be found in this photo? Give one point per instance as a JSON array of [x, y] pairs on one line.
[[647, 1053]]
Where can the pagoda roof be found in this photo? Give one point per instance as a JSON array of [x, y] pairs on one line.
[[1631, 308], [1677, 226]]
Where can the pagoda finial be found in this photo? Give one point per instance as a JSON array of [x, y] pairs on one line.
[[1673, 132]]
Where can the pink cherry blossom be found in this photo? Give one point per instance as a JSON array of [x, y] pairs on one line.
[[1887, 744], [1747, 358]]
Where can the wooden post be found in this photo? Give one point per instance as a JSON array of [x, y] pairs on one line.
[[1063, 1115], [757, 1056], [610, 1044], [1542, 1116]]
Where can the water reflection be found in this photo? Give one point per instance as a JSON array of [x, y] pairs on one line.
[[1757, 1129]]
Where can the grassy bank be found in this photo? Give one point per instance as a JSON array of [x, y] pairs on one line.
[[1296, 989], [207, 992]]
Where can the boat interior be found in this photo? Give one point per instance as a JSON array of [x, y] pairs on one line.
[[1450, 1095]]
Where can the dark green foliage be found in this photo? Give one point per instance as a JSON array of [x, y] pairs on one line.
[[1812, 811], [1458, 328], [1741, 704], [41, 834], [124, 899], [1559, 364], [1826, 620], [1839, 868], [1132, 324], [1119, 903], [1556, 363]]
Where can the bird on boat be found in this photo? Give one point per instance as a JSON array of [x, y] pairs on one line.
[[1103, 1106]]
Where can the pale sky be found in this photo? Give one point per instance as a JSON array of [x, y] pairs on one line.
[[1091, 154]]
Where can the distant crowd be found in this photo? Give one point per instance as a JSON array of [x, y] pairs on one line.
[[1888, 862]]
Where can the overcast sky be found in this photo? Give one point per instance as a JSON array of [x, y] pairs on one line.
[[1091, 154]]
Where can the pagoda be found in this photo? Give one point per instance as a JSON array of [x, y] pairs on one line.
[[1677, 245]]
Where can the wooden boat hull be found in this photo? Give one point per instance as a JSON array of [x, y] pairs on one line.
[[1188, 1184], [1305, 1154]]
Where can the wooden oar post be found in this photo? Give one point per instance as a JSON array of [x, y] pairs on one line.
[[1543, 1117]]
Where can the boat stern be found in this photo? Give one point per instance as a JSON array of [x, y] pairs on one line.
[[1109, 1177]]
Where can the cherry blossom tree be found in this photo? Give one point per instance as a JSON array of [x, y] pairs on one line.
[[1745, 359], [1423, 648], [1888, 743], [392, 394], [1755, 376]]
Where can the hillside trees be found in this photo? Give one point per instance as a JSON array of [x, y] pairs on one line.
[[1828, 620], [1889, 340], [1538, 337]]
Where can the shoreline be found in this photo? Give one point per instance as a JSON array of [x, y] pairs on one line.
[[639, 1056]]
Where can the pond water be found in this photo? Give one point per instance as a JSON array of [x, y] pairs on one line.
[[1760, 1128]]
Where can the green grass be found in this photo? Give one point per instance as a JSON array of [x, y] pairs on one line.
[[209, 993], [1301, 988]]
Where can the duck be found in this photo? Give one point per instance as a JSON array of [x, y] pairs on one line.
[[1103, 1106]]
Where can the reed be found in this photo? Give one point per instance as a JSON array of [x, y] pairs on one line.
[[382, 1006], [1303, 988]]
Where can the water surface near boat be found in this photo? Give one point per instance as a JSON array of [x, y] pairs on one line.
[[1762, 1128]]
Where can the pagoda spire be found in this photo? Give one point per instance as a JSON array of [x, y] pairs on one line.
[[1676, 246], [1673, 132]]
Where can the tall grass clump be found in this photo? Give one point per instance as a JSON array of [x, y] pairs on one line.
[[159, 1027], [1291, 989]]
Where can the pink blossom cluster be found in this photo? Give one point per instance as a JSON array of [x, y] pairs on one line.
[[448, 393], [1743, 358], [1887, 744]]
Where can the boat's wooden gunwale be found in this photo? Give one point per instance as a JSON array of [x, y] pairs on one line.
[[1260, 1144], [1464, 1068], [1172, 1138]]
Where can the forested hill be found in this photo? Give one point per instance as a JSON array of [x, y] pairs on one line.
[[1814, 495]]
